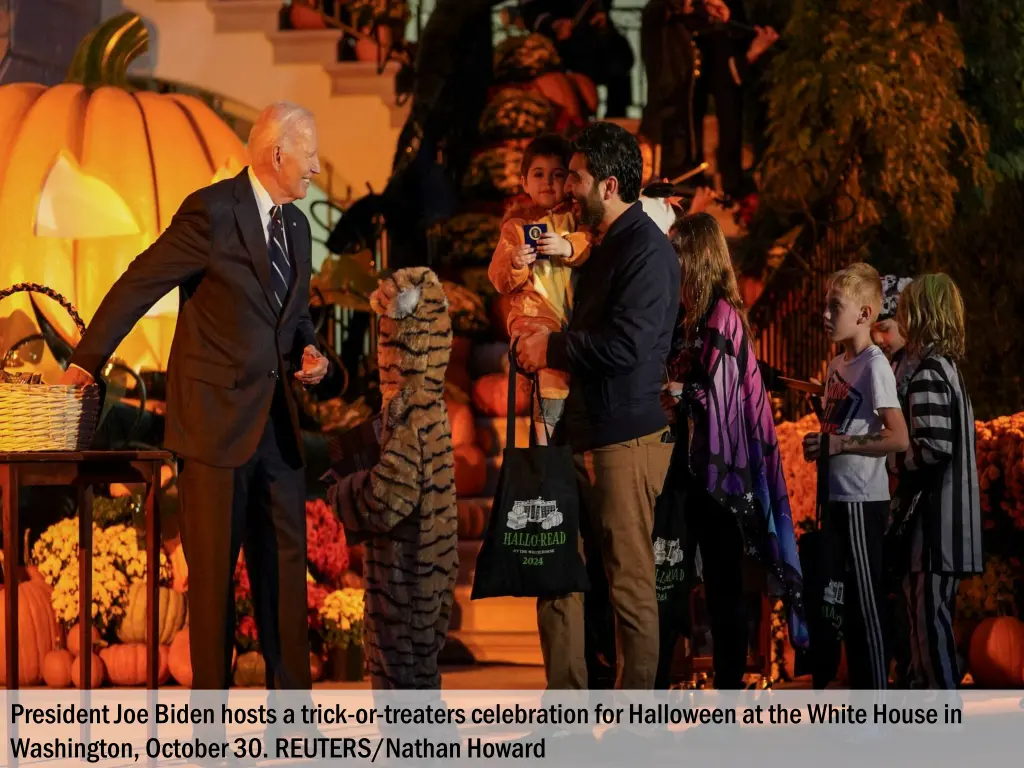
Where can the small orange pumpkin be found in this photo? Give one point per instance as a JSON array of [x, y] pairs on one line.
[[75, 638], [997, 652], [473, 514], [304, 15], [491, 434], [470, 470], [57, 668], [97, 672], [490, 395], [126, 664], [460, 418]]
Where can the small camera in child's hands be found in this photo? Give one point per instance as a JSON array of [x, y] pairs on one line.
[[532, 233]]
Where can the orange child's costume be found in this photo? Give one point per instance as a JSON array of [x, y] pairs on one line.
[[542, 293]]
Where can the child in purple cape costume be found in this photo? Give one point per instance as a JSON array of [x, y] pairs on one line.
[[735, 450]]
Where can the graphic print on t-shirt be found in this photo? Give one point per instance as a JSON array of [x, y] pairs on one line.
[[842, 403]]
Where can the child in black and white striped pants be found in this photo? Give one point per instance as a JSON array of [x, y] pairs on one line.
[[863, 421], [937, 509]]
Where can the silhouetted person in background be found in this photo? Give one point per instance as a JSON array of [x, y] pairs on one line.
[[588, 43], [693, 49]]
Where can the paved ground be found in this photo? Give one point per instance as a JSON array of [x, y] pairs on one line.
[[477, 677]]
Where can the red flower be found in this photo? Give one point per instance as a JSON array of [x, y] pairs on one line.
[[327, 549], [315, 594]]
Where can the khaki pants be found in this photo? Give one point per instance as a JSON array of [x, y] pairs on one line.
[[618, 487]]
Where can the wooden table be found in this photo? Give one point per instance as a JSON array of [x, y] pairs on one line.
[[83, 470]]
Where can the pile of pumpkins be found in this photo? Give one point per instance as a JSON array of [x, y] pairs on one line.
[[477, 403], [122, 663], [46, 655]]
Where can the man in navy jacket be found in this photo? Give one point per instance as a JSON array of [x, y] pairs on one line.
[[627, 300]]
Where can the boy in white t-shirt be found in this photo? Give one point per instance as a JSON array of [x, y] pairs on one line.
[[864, 423]]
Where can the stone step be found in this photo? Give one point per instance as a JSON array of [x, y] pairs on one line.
[[245, 15], [499, 629], [496, 614], [357, 78], [351, 78], [306, 46]]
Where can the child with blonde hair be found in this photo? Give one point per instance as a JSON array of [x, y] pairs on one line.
[[937, 510], [863, 423]]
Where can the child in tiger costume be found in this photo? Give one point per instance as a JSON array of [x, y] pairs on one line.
[[405, 506]]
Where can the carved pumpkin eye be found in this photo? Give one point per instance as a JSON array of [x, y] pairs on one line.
[[75, 205]]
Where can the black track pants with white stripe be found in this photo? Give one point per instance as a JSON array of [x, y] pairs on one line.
[[931, 607], [853, 533]]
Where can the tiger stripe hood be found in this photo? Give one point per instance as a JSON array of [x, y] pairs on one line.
[[414, 332]]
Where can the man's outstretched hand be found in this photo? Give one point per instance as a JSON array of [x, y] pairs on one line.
[[75, 377], [314, 366]]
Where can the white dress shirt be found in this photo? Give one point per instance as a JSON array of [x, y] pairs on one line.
[[265, 205]]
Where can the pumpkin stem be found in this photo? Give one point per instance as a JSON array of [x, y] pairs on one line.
[[103, 56]]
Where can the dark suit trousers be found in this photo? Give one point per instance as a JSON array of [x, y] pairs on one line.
[[260, 504]]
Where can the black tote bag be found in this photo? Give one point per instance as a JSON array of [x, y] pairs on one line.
[[675, 561], [531, 547], [674, 551]]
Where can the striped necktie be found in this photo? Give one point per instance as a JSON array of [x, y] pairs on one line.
[[281, 272]]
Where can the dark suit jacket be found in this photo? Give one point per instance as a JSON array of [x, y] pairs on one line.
[[232, 347]]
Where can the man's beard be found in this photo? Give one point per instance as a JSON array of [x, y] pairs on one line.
[[591, 210]]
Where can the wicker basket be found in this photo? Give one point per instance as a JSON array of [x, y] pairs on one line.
[[46, 417]]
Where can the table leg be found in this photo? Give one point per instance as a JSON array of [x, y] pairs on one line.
[[153, 577], [85, 583], [9, 490]]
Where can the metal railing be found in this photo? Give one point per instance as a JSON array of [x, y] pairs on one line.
[[786, 321]]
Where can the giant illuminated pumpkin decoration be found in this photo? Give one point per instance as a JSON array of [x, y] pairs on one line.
[[91, 172]]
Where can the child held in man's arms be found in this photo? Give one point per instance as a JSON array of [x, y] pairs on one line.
[[864, 422], [539, 245]]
